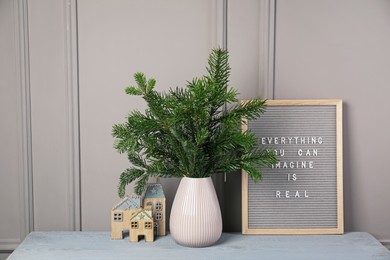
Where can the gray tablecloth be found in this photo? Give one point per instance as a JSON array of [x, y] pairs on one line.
[[98, 245]]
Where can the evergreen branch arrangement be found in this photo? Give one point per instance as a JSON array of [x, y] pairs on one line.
[[185, 132]]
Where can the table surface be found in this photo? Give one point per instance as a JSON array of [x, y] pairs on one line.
[[98, 245]]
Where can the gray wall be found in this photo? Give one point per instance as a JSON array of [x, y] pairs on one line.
[[115, 41], [323, 49], [340, 49], [9, 122], [50, 119], [14, 215]]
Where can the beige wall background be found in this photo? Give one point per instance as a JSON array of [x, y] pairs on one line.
[[62, 94], [117, 39], [339, 49], [14, 155]]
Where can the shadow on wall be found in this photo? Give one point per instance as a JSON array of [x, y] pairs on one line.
[[348, 169], [170, 186], [229, 195]]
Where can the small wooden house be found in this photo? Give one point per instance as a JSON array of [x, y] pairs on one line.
[[141, 224], [121, 214], [140, 217], [155, 199]]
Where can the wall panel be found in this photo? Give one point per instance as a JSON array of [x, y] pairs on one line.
[[168, 40], [339, 49], [53, 207], [14, 134], [323, 49]]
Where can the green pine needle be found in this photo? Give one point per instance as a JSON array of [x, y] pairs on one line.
[[187, 131]]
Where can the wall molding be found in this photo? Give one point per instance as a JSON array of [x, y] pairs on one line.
[[72, 115], [225, 24], [267, 15], [23, 114], [217, 27], [24, 99], [7, 245]]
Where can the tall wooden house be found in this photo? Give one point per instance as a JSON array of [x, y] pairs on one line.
[[155, 199]]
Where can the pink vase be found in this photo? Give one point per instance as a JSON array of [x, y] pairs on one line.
[[196, 216]]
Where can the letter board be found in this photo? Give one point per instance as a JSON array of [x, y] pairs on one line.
[[302, 193]]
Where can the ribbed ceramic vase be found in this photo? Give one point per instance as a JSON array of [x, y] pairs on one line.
[[195, 215]]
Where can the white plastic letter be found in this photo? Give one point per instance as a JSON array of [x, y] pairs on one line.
[[294, 177]]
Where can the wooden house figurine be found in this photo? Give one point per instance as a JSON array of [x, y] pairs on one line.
[[121, 214], [141, 224], [140, 217], [154, 198]]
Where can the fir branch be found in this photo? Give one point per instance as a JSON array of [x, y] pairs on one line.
[[133, 91], [185, 132], [127, 177], [140, 79], [141, 183], [219, 69]]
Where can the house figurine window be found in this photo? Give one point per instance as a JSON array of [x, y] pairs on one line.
[[149, 203], [118, 217], [148, 225], [134, 225], [158, 206], [158, 216]]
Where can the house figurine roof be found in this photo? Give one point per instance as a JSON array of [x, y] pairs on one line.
[[142, 214], [129, 203], [153, 191]]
